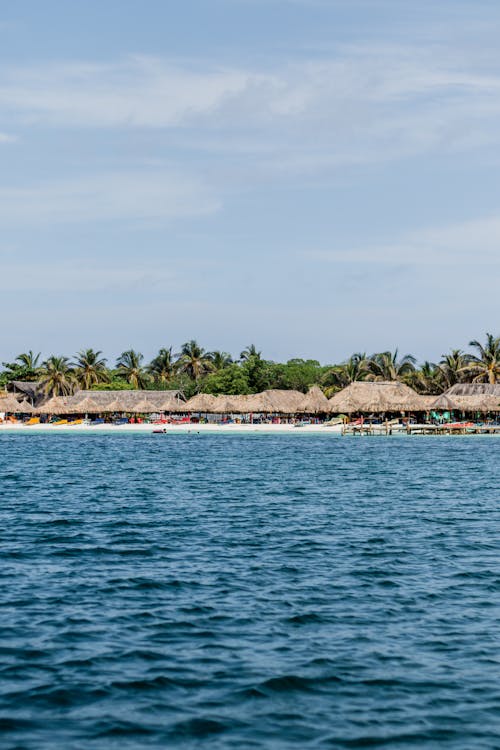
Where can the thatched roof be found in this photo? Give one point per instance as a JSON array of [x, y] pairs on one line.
[[268, 402], [25, 407], [55, 405], [444, 403], [144, 406], [201, 403], [281, 402], [88, 406], [32, 390], [128, 401], [475, 397], [377, 397], [478, 403], [314, 402], [474, 389], [9, 404]]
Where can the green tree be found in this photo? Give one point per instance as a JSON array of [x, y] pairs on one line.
[[357, 367], [25, 367], [162, 368], [426, 379], [454, 367], [485, 366], [249, 352], [387, 366], [220, 360], [90, 369], [129, 367], [57, 376], [230, 380], [194, 360]]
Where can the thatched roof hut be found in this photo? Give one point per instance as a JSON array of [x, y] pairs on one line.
[[128, 400], [9, 404], [143, 407], [31, 390], [475, 397], [113, 406], [202, 403], [280, 401], [377, 397], [88, 406], [25, 407], [474, 389], [314, 402], [444, 403], [56, 405]]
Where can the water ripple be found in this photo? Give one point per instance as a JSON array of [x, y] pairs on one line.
[[249, 592]]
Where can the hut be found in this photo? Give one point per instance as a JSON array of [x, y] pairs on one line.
[[9, 404], [280, 401], [145, 406], [444, 403], [377, 397], [25, 407], [88, 406], [127, 400], [57, 405], [479, 398], [314, 402], [31, 390], [202, 403]]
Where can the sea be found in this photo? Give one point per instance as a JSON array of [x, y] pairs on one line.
[[233, 592]]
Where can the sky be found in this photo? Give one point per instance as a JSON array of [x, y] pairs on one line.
[[316, 177]]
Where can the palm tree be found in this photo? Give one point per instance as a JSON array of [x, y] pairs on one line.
[[162, 367], [454, 367], [90, 368], [193, 360], [486, 366], [427, 379], [354, 369], [220, 360], [57, 377], [129, 366], [249, 352], [24, 367], [387, 366]]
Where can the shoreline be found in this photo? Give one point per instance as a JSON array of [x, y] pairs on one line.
[[214, 429], [181, 429]]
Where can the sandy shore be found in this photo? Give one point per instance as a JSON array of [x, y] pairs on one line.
[[182, 429]]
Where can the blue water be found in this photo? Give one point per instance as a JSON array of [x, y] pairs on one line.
[[249, 592]]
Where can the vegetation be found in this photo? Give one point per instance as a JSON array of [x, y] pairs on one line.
[[195, 370]]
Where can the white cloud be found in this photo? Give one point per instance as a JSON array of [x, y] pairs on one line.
[[362, 104], [468, 244], [7, 138], [127, 196]]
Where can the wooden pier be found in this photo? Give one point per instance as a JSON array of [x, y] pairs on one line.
[[419, 429]]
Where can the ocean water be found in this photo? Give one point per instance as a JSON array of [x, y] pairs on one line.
[[249, 592]]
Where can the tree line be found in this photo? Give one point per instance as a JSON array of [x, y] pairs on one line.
[[193, 370]]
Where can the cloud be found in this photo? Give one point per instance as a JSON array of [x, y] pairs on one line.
[[362, 104], [468, 244], [7, 138], [127, 196]]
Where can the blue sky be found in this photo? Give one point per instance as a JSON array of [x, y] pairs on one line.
[[313, 176]]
